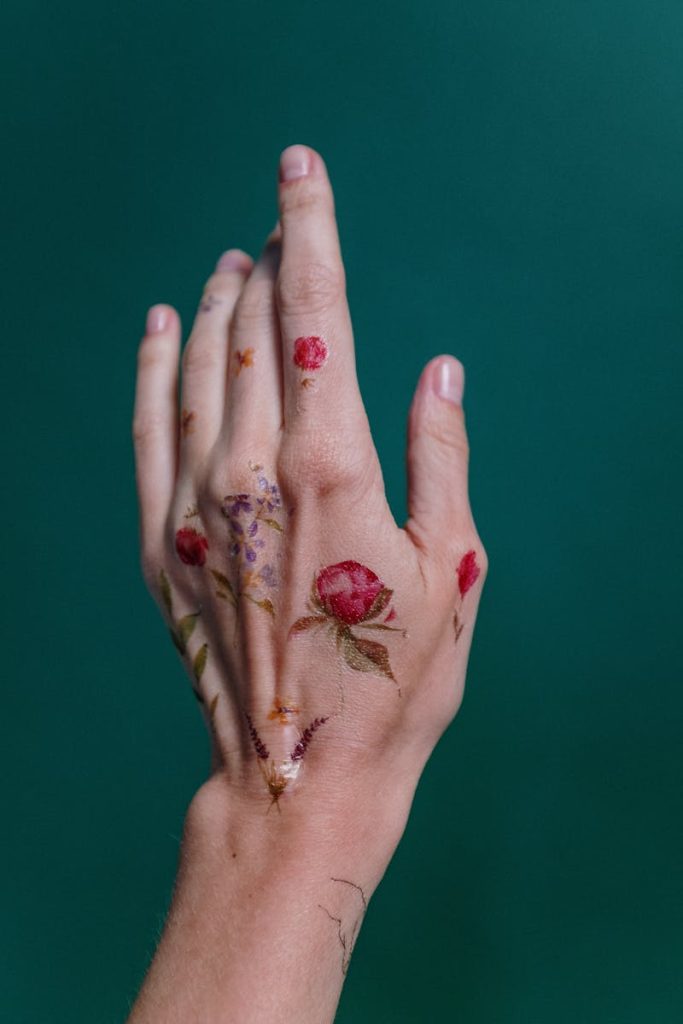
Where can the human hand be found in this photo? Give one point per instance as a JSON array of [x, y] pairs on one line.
[[327, 646]]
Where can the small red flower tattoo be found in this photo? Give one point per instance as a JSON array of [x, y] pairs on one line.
[[468, 573], [350, 594], [310, 354], [191, 546]]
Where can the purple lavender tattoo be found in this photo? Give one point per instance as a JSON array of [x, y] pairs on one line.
[[250, 518], [277, 775], [306, 737]]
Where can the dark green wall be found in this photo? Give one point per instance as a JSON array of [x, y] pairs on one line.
[[508, 178]]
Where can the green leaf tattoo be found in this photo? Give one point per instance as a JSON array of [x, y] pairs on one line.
[[364, 655], [166, 592], [199, 663]]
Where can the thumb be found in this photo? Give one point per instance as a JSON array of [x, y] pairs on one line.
[[438, 454]]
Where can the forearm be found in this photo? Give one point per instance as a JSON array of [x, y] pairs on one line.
[[267, 909]]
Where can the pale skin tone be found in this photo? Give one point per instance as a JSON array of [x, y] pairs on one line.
[[281, 853]]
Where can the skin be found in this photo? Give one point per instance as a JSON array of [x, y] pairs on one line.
[[271, 893]]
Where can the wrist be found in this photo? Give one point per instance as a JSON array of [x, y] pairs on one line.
[[324, 826], [268, 904]]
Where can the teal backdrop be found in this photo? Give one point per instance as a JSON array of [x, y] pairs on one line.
[[508, 179]]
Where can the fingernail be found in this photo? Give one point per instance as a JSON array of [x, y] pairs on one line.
[[157, 319], [448, 380], [295, 162], [233, 259]]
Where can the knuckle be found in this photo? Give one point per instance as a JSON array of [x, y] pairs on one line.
[[310, 287], [256, 304], [232, 476], [304, 196], [152, 354], [322, 463], [201, 357], [449, 433], [146, 426]]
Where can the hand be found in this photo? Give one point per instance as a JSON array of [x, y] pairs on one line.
[[326, 645]]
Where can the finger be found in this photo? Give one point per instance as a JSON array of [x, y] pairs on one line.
[[317, 339], [438, 503], [254, 401], [206, 355], [155, 421]]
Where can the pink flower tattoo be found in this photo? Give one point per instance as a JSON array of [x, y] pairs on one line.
[[349, 594]]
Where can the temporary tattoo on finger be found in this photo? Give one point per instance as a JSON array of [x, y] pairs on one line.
[[191, 545], [347, 936], [468, 573], [255, 521], [243, 360], [181, 631], [347, 595], [209, 302], [309, 355], [187, 422]]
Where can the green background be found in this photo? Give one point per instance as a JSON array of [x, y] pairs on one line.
[[508, 180]]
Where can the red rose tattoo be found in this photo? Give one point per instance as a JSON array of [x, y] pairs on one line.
[[349, 594], [348, 590], [191, 546]]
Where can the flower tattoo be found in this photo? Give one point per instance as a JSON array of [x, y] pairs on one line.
[[278, 775], [282, 711], [309, 354], [191, 546], [349, 594], [243, 360], [468, 573], [251, 518]]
